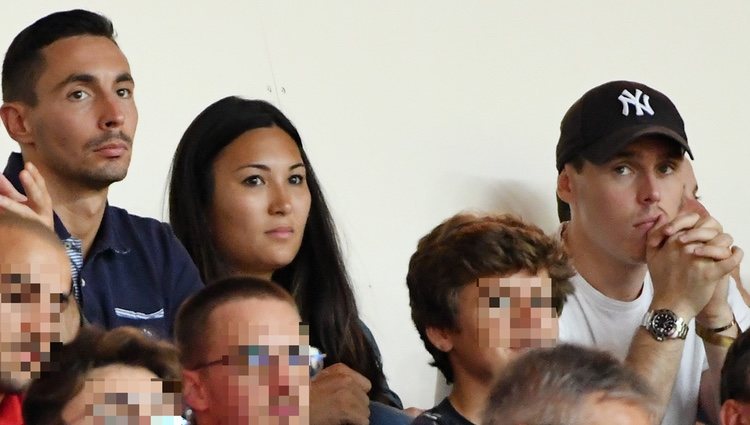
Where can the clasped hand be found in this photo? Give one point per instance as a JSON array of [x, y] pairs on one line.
[[690, 259]]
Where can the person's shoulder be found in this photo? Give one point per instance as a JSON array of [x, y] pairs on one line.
[[427, 417], [154, 240], [442, 414], [144, 233], [144, 226]]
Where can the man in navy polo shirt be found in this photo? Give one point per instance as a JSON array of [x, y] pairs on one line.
[[68, 102]]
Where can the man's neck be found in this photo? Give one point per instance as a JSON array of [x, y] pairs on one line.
[[2, 396], [612, 277], [469, 396], [80, 209]]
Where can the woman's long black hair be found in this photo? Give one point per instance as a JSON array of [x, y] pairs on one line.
[[316, 277]]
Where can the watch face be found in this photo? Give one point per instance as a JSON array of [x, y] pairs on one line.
[[663, 323]]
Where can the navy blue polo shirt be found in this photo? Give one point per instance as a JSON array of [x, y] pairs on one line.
[[136, 273]]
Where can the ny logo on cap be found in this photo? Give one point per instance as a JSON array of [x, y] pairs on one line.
[[628, 99]]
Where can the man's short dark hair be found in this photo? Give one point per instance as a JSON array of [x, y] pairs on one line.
[[92, 348], [467, 247], [24, 62], [735, 374], [192, 322], [550, 386]]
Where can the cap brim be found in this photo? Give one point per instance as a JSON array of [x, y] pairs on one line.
[[606, 149]]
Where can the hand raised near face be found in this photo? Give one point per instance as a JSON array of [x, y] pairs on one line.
[[704, 237], [36, 204], [338, 395], [717, 312], [688, 258]]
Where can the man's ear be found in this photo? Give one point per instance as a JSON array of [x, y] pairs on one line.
[[731, 413], [193, 391], [564, 184], [440, 338], [15, 118]]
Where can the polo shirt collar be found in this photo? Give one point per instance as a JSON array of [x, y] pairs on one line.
[[110, 235]]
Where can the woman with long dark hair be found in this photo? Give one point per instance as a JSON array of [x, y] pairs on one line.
[[244, 200]]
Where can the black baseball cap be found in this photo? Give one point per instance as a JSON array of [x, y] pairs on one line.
[[607, 118]]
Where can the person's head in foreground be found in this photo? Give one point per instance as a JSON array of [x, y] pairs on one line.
[[245, 354], [244, 200], [483, 288], [119, 376], [620, 149], [38, 312], [569, 385], [735, 383], [68, 99]]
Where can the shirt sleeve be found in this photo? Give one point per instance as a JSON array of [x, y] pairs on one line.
[[184, 276]]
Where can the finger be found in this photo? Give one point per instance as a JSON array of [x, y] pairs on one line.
[[726, 266], [37, 181], [359, 409], [29, 186], [723, 239], [31, 168], [17, 208], [656, 236], [673, 242], [362, 382], [681, 222], [38, 178], [336, 368], [36, 190], [359, 419], [359, 380], [7, 189], [699, 234], [717, 253], [709, 222]]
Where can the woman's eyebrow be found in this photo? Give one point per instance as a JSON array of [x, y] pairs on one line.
[[265, 167]]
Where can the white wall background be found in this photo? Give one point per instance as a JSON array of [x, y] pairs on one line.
[[414, 110]]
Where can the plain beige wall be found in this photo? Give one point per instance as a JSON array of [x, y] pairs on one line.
[[414, 110]]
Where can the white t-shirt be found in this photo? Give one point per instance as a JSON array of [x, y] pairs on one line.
[[592, 319]]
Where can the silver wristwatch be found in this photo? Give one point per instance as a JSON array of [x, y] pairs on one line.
[[665, 324]]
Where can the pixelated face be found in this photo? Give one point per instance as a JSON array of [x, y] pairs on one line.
[[516, 312], [126, 395], [499, 317], [37, 311], [614, 205], [260, 364], [83, 124], [260, 202]]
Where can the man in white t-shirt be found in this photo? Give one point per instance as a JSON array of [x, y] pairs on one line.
[[653, 265]]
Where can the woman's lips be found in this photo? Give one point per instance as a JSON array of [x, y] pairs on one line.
[[281, 232]]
